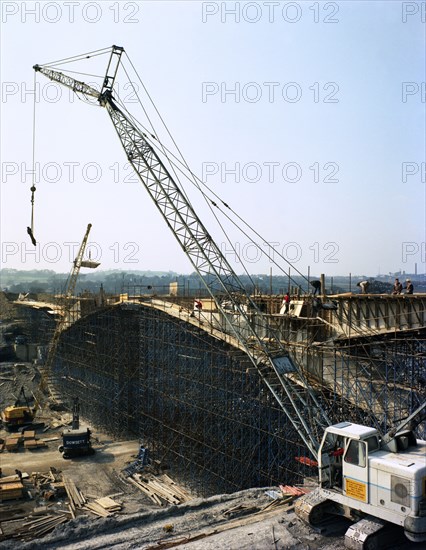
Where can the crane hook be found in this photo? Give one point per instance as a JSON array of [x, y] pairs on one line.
[[30, 229]]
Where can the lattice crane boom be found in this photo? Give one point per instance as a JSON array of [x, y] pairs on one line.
[[283, 377]]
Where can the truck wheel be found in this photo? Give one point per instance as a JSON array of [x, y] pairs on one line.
[[61, 448]]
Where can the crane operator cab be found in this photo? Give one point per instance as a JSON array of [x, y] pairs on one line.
[[363, 475], [343, 457]]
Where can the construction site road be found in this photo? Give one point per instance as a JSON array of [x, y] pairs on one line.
[[109, 454]]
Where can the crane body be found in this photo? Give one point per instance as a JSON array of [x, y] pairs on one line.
[[361, 475], [362, 479]]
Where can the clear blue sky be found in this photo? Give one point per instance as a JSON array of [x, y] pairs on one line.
[[319, 94]]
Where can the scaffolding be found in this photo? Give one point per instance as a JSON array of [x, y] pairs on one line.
[[193, 400], [199, 405]]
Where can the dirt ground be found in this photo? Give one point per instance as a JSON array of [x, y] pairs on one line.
[[97, 474], [140, 523], [200, 524]]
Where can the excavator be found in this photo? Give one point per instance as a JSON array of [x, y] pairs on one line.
[[76, 441], [21, 414], [367, 477]]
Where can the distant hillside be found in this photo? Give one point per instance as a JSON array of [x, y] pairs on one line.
[[157, 282]]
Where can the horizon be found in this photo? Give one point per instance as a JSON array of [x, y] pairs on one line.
[[171, 273]]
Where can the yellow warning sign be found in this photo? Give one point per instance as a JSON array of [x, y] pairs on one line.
[[356, 489]]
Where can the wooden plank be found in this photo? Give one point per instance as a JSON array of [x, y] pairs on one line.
[[9, 479], [98, 510], [108, 503], [72, 505], [12, 490], [153, 497], [48, 527]]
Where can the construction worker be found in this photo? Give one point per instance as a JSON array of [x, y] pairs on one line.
[[198, 306], [363, 286], [397, 287], [409, 289], [317, 286], [286, 303]]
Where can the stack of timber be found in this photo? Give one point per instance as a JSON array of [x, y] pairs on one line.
[[160, 489], [38, 527], [18, 523], [289, 490], [11, 487], [30, 527], [103, 507], [75, 496], [31, 442], [12, 444]]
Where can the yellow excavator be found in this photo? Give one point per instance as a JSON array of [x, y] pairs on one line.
[[19, 414]]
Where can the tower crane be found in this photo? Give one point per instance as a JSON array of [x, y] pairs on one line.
[[64, 320], [21, 413], [350, 486]]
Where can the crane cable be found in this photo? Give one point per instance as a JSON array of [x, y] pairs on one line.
[[155, 135], [191, 177], [197, 182], [184, 163], [180, 166], [30, 230], [163, 151], [80, 57]]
